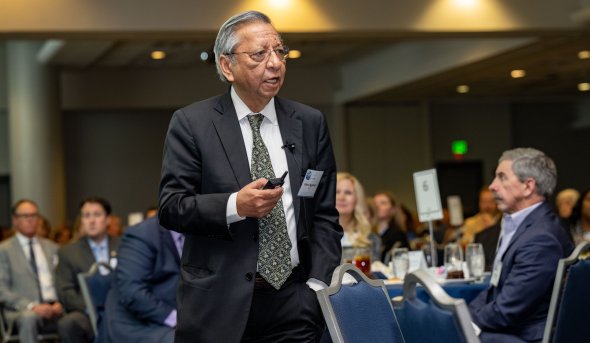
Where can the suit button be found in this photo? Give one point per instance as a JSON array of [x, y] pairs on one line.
[[248, 276]]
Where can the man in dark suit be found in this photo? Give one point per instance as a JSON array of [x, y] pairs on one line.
[[141, 305], [228, 291], [77, 257], [514, 308]]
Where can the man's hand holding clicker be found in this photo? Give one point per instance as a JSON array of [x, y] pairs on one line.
[[253, 201]]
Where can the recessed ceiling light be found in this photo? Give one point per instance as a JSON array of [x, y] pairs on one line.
[[584, 54], [462, 89], [517, 73], [158, 55], [204, 56], [294, 54], [584, 86]]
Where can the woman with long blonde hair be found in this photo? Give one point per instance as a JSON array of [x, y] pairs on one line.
[[352, 209]]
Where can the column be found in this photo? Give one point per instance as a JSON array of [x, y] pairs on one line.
[[35, 130]]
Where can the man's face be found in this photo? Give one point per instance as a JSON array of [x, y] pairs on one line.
[[508, 190], [94, 220], [26, 218], [255, 82]]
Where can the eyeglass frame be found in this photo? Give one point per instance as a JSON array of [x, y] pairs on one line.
[[267, 52], [26, 215]]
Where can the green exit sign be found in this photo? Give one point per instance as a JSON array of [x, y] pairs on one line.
[[459, 147]]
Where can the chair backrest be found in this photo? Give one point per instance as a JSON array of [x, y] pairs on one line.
[[358, 312], [95, 285], [569, 310], [441, 319]]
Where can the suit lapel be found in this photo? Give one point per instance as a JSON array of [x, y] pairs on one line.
[[230, 134], [292, 133], [23, 260]]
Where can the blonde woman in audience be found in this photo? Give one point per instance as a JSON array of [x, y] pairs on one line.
[[352, 209]]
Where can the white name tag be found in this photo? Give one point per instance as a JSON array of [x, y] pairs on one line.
[[310, 183], [496, 274]]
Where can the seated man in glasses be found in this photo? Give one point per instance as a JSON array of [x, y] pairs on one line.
[[27, 264]]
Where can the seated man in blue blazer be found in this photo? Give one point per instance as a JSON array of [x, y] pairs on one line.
[[141, 305], [514, 308]]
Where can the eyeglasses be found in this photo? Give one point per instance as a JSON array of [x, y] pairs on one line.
[[261, 55], [27, 215]]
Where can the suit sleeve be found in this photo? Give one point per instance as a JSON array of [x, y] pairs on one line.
[[9, 299], [325, 232], [136, 259], [66, 283], [182, 206], [524, 288]]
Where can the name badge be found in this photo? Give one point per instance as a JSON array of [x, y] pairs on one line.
[[310, 183], [496, 274]]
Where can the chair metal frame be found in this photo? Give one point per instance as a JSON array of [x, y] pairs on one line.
[[6, 334], [559, 286], [88, 301], [335, 286], [438, 295]]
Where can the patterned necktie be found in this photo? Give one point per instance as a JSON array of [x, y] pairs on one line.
[[274, 248]]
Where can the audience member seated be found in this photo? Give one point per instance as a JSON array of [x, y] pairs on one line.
[[514, 308], [27, 262], [487, 216], [152, 211], [77, 257], [351, 207], [580, 219], [43, 227], [63, 236], [115, 228], [565, 202], [141, 306], [391, 222]]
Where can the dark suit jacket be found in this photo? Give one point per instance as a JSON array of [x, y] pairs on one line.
[[519, 305], [204, 162], [144, 291], [76, 257]]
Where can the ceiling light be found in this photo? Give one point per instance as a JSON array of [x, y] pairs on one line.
[[584, 54], [294, 53], [517, 73], [158, 55], [462, 89], [204, 56], [584, 86]]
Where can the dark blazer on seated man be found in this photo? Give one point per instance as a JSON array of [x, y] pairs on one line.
[[514, 308], [141, 306]]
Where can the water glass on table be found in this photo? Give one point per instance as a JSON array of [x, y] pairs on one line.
[[475, 260], [400, 262], [454, 261]]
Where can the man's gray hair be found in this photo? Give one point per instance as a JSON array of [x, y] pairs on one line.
[[227, 39], [534, 164]]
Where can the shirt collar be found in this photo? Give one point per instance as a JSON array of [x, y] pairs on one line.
[[94, 245], [519, 217], [24, 240], [242, 109]]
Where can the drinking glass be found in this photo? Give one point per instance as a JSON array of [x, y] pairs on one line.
[[401, 262], [362, 259], [475, 259], [454, 261]]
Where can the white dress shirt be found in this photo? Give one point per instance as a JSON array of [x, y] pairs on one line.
[[271, 135], [44, 267]]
